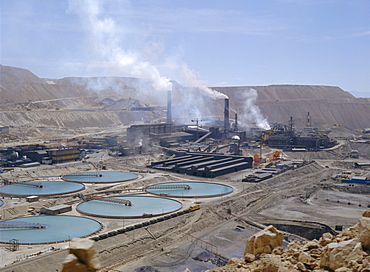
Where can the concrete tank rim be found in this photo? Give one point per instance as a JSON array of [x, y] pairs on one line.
[[61, 241], [42, 195], [131, 217]]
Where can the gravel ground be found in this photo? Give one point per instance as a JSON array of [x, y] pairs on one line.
[[297, 194]]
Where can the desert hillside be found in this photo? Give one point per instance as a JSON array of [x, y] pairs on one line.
[[40, 106], [327, 105]]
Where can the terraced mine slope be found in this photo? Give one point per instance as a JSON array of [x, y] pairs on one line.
[[38, 107]]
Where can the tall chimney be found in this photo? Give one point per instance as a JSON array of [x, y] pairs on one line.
[[169, 107], [226, 114], [236, 122], [308, 120], [291, 124]]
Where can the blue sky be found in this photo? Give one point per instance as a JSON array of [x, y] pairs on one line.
[[209, 42]]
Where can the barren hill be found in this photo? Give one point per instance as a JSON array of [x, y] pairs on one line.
[[327, 105], [20, 85], [49, 108], [34, 106]]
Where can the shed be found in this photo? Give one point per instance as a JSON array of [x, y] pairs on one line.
[[32, 198], [55, 210]]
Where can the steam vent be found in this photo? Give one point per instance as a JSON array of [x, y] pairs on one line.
[[110, 174]]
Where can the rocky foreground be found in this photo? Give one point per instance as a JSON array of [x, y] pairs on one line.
[[345, 252]]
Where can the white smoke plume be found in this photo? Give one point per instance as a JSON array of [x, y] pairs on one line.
[[107, 43], [191, 79], [251, 112], [106, 39]]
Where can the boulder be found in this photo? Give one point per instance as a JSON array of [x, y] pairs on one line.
[[85, 255], [364, 232], [337, 255], [306, 259], [325, 239], [249, 258], [234, 261], [366, 213], [264, 241], [343, 269], [311, 245], [71, 264], [301, 266], [348, 234], [270, 263]]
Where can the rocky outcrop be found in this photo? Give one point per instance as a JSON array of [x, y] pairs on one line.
[[364, 232], [348, 251], [82, 257], [337, 255], [264, 241]]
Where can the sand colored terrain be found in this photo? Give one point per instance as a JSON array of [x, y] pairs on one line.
[[38, 107]]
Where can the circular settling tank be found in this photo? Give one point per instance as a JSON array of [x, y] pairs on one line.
[[1, 202], [189, 189], [46, 229], [38, 188], [100, 177], [141, 206]]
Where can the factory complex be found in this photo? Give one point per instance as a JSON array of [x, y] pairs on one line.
[[159, 187]]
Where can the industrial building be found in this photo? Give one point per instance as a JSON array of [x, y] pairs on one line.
[[4, 129], [64, 155], [204, 162], [55, 210], [29, 155], [366, 134], [287, 138], [38, 155], [103, 142], [204, 165], [137, 132], [49, 156]]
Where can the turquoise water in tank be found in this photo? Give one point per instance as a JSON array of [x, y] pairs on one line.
[[58, 228], [198, 189], [140, 205], [100, 176], [49, 187]]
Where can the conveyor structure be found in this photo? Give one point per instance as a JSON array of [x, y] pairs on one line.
[[162, 186], [87, 174], [22, 225], [110, 199], [34, 184]]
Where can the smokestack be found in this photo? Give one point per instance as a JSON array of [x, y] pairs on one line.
[[169, 107], [226, 114], [308, 120], [236, 122]]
